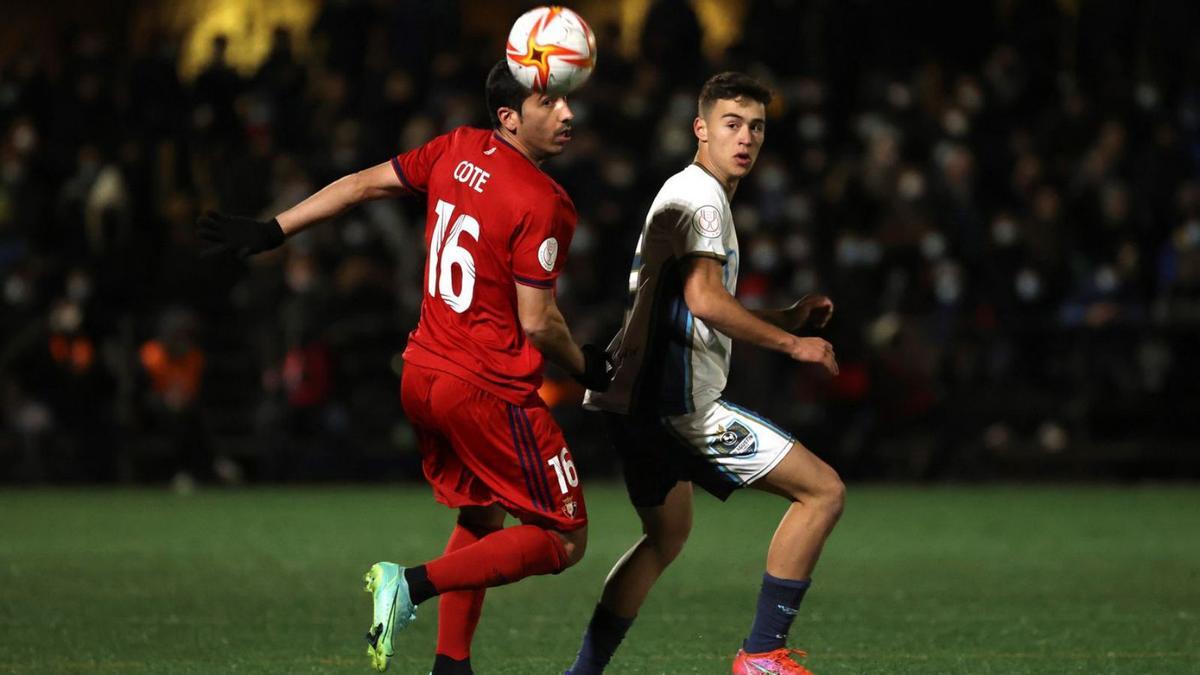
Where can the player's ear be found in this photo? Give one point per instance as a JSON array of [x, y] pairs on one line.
[[700, 129], [509, 119]]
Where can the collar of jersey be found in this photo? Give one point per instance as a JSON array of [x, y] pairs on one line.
[[708, 173], [496, 137]]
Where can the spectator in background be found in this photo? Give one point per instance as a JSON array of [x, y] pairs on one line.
[[173, 366], [218, 84], [59, 383], [671, 38], [279, 83]]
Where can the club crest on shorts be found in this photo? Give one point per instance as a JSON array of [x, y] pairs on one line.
[[568, 507], [734, 440]]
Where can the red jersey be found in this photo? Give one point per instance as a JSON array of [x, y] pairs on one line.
[[494, 219]]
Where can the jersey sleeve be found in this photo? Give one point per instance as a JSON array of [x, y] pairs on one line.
[[541, 242], [413, 167], [694, 228]]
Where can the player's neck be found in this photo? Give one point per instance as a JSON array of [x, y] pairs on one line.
[[511, 138], [729, 183]]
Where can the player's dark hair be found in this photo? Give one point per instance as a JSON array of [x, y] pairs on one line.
[[503, 91], [729, 86]]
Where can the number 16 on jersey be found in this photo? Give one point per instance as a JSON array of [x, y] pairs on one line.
[[445, 253]]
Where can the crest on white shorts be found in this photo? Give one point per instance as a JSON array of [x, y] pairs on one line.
[[734, 440]]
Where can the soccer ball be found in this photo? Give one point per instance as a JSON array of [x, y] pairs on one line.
[[551, 50]]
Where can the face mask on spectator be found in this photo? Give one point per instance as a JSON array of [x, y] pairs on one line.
[[65, 317], [811, 127], [948, 284], [764, 256], [772, 178], [79, 286], [1190, 234], [17, 291], [798, 210], [1004, 232], [1028, 285], [24, 138], [1105, 279], [933, 245], [854, 252], [911, 185]]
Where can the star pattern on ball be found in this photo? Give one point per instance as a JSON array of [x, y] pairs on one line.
[[538, 55]]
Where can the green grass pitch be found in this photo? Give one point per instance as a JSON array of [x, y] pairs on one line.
[[970, 580]]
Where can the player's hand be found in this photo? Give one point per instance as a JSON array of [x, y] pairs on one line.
[[814, 350], [234, 234], [820, 309], [811, 311], [595, 369]]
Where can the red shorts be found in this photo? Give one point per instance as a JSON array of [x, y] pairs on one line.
[[478, 450]]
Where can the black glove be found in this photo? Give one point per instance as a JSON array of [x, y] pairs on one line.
[[595, 369], [241, 236]]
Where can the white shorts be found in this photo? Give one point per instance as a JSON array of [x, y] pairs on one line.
[[742, 445]]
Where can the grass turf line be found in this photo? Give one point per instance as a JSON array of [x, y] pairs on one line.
[[970, 580]]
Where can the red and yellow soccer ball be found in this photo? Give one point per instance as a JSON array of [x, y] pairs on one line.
[[551, 50]]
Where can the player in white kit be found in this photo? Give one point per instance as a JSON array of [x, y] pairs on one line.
[[664, 409]]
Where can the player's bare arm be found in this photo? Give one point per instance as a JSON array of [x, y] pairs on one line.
[[376, 182], [542, 321], [243, 237], [810, 312], [705, 294]]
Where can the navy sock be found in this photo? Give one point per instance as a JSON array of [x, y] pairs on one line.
[[444, 665], [778, 602], [604, 634]]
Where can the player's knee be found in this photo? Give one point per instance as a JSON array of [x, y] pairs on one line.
[[480, 525], [831, 494], [669, 548], [667, 540], [574, 545]]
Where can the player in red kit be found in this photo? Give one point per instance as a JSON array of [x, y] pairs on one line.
[[497, 234]]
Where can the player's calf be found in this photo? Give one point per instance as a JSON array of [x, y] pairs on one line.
[[500, 558]]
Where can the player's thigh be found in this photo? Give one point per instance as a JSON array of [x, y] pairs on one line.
[[646, 464], [518, 452], [800, 475], [669, 524], [727, 447], [416, 389]]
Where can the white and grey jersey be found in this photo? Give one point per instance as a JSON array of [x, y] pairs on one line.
[[668, 362]]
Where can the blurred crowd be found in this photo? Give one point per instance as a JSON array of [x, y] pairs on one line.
[[1003, 200]]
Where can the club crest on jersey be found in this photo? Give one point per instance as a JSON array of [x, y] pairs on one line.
[[548, 254], [568, 507], [707, 221], [734, 440]]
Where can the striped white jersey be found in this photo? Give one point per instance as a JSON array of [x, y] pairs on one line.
[[668, 362]]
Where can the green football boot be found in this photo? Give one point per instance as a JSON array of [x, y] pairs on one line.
[[393, 609]]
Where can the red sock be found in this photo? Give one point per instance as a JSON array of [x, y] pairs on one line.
[[458, 611], [501, 557]]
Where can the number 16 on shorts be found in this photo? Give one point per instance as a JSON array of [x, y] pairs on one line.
[[564, 468]]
